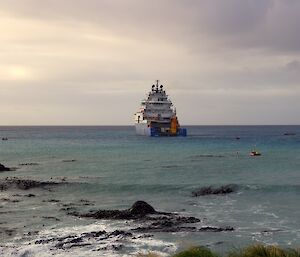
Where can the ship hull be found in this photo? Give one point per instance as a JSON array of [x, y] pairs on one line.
[[142, 129], [157, 130]]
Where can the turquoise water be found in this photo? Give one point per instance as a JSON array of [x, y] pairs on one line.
[[114, 168]]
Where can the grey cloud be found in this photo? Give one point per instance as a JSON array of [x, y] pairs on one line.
[[267, 24], [230, 107], [231, 16], [293, 65]]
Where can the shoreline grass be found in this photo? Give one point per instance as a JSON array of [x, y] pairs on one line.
[[257, 250]]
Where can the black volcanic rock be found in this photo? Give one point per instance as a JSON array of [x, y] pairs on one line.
[[82, 240], [3, 168], [141, 208], [142, 212], [149, 219], [214, 191]]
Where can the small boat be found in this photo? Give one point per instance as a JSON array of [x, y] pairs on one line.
[[255, 153]]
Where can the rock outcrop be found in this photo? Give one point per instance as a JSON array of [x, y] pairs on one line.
[[149, 219], [3, 168]]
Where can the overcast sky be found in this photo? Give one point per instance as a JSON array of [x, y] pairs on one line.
[[78, 62]]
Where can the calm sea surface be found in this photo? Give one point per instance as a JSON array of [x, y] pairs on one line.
[[113, 168]]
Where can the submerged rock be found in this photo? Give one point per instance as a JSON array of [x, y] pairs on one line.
[[7, 231], [82, 240], [25, 184], [114, 247], [289, 134], [28, 164], [170, 226], [9, 200], [3, 168], [166, 226], [29, 195], [214, 191], [51, 218], [85, 202], [51, 201], [215, 229]]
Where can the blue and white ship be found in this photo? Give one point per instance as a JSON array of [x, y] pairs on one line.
[[157, 116]]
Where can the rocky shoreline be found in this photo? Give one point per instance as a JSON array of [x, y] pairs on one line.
[[143, 219], [151, 220]]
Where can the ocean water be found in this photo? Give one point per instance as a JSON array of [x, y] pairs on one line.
[[113, 168]]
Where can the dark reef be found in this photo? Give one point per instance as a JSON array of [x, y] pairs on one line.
[[227, 189]]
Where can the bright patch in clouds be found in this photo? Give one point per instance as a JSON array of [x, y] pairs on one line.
[[19, 73]]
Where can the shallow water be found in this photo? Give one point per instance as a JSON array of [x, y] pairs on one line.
[[113, 168]]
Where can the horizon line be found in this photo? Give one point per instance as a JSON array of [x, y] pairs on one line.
[[126, 125]]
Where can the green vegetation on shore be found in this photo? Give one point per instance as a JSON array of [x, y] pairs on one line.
[[250, 251]]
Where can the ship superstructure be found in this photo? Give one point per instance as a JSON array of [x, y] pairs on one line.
[[157, 116]]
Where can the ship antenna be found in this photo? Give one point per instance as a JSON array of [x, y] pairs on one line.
[[157, 86]]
